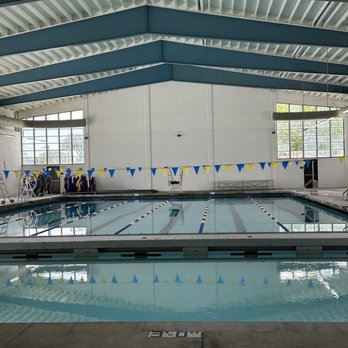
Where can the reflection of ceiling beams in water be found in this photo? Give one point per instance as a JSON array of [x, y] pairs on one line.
[[118, 218]]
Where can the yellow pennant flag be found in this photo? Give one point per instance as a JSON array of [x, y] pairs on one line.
[[228, 167], [186, 170], [79, 172], [275, 165], [164, 171], [342, 159], [101, 172], [58, 172], [251, 166], [16, 173], [36, 172], [207, 169]]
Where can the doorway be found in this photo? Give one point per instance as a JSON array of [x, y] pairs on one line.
[[310, 173]]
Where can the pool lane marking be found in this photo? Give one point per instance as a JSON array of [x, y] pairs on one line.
[[204, 216], [141, 217], [46, 212], [81, 217], [270, 215]]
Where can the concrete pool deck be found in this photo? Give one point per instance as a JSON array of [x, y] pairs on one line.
[[145, 335]]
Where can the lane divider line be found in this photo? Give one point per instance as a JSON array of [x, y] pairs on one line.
[[141, 217], [46, 212], [270, 215], [81, 217], [204, 216]]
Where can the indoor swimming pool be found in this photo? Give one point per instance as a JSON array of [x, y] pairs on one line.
[[132, 216], [271, 291]]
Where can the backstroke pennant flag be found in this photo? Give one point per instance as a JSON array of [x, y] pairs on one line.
[[111, 172], [269, 164], [90, 172], [132, 171], [6, 172], [196, 168], [186, 170], [27, 172], [101, 172], [217, 167], [285, 164], [175, 170], [275, 165], [251, 166], [153, 171], [207, 169], [16, 173], [341, 159], [228, 167], [262, 165], [240, 166], [164, 171], [140, 169], [308, 163], [68, 172]]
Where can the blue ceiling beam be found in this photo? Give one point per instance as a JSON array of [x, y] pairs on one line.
[[170, 52], [185, 73], [147, 19], [196, 24], [159, 73], [167, 72]]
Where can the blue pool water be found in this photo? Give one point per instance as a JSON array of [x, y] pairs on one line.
[[168, 216], [315, 291]]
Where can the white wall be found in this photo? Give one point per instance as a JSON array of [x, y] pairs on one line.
[[10, 155], [138, 127]]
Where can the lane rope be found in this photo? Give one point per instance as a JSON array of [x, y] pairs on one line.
[[204, 216], [269, 215], [81, 217], [141, 217]]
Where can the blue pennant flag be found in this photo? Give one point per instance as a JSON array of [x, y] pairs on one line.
[[196, 168], [240, 167], [27, 172], [217, 167], [112, 172], [199, 280], [49, 281], [153, 171], [132, 171], [262, 165], [71, 281], [140, 169], [90, 172], [92, 280], [105, 170], [285, 164], [114, 280], [175, 170], [135, 279], [177, 279], [308, 163], [220, 280], [127, 169], [68, 172], [156, 280], [297, 162], [6, 172], [269, 164], [47, 172]]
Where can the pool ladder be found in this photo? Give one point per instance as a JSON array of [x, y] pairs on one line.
[[3, 191], [314, 188]]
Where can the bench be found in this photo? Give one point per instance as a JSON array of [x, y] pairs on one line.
[[243, 185]]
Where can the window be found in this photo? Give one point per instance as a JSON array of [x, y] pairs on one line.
[[43, 146], [309, 138]]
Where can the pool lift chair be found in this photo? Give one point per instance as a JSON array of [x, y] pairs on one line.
[[175, 181], [27, 186]]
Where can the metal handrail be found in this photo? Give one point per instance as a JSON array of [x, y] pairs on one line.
[[345, 195], [314, 189]]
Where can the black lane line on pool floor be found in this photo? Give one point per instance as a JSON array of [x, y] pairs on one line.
[[204, 216], [141, 217], [270, 215], [81, 217], [46, 212]]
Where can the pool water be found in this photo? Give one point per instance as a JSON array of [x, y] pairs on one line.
[[315, 291], [131, 216]]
